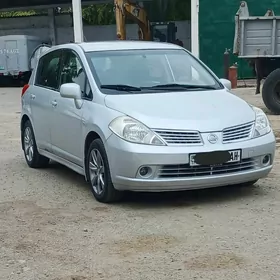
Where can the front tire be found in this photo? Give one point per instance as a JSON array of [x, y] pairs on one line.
[[32, 156], [98, 173]]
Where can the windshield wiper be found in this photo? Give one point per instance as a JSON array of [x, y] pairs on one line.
[[121, 87], [182, 86]]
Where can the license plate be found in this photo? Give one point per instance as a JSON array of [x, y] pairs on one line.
[[215, 158]]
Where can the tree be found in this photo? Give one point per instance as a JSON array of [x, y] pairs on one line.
[[100, 14], [178, 10], [103, 14], [169, 10]]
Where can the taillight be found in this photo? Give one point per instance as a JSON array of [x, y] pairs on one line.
[[24, 89]]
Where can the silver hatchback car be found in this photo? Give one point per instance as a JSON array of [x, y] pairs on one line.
[[141, 116]]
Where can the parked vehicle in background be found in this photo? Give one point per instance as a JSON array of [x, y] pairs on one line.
[[257, 39], [16, 52], [127, 116]]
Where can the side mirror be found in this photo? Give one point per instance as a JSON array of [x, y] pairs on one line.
[[226, 83], [71, 90]]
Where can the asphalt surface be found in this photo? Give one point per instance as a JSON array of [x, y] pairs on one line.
[[52, 228]]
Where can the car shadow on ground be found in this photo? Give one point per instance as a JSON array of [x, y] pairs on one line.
[[67, 175], [190, 198]]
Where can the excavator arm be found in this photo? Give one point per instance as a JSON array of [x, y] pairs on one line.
[[125, 9]]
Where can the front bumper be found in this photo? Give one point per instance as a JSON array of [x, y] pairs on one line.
[[126, 159]]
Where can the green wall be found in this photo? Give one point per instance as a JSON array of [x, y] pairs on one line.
[[216, 28]]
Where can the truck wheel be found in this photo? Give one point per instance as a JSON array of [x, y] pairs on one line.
[[271, 92]]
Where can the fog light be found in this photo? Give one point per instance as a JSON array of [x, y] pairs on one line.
[[144, 171], [266, 160]]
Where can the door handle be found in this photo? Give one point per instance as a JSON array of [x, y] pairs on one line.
[[54, 103], [33, 96]]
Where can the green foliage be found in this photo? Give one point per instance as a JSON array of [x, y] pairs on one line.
[[18, 14], [100, 14], [103, 14], [178, 10], [172, 10]]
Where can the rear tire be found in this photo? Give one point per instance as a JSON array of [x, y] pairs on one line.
[[32, 156], [98, 174], [271, 92]]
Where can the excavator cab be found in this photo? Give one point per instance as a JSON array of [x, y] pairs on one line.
[[163, 31]]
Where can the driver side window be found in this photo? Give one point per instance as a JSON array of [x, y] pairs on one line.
[[73, 72]]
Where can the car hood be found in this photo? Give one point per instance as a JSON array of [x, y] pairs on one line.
[[191, 110]]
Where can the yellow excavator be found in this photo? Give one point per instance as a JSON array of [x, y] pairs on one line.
[[156, 31]]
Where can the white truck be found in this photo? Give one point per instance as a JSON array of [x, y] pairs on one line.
[[257, 39], [18, 55]]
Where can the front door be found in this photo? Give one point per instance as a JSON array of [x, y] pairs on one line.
[[67, 126]]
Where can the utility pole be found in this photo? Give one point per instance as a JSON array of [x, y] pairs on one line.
[[77, 21]]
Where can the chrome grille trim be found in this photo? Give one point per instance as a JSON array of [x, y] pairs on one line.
[[237, 133], [180, 137], [187, 171]]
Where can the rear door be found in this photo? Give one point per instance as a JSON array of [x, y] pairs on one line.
[[46, 84], [12, 53]]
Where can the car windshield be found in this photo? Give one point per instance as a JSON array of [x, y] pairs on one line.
[[160, 69]]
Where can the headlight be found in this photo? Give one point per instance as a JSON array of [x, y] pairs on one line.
[[133, 131], [262, 125]]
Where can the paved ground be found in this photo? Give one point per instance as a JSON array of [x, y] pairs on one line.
[[52, 228]]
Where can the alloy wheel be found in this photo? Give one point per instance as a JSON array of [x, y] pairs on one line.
[[28, 144], [96, 172]]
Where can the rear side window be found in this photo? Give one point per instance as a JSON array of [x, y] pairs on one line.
[[48, 73]]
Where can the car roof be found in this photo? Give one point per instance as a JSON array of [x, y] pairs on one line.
[[118, 45], [125, 45]]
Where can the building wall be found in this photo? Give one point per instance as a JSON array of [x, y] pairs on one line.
[[39, 26], [216, 27]]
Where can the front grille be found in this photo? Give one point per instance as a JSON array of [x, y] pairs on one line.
[[237, 133], [177, 137], [186, 171]]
